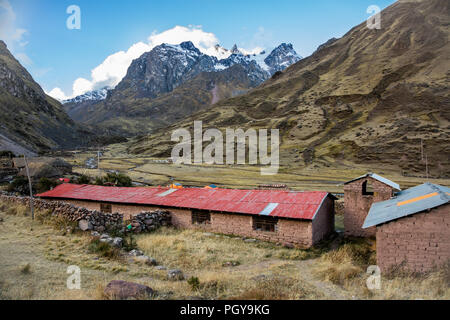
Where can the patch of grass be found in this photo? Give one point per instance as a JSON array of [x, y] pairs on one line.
[[274, 288], [193, 250], [346, 263], [103, 249], [26, 269]]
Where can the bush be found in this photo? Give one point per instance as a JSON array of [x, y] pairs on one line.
[[194, 283], [119, 179], [45, 184], [116, 179], [20, 185], [103, 249], [7, 154], [83, 180], [99, 181]]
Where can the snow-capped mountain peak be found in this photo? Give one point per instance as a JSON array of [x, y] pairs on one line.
[[95, 95]]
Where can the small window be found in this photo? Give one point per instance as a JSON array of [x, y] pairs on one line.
[[267, 224], [367, 189], [201, 217], [106, 207]]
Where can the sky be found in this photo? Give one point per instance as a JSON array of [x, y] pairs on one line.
[[70, 61]]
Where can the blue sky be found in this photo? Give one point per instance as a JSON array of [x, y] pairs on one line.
[[36, 30]]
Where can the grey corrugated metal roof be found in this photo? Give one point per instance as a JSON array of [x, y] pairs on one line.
[[269, 209], [379, 178], [408, 202]]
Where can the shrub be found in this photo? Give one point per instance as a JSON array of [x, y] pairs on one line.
[[45, 184], [118, 179], [194, 283], [99, 181], [83, 179], [112, 178], [20, 185], [103, 249], [7, 154], [26, 269]]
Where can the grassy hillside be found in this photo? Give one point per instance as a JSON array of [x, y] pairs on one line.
[[31, 121], [373, 97]]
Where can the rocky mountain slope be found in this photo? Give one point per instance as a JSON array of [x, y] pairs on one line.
[[173, 81], [30, 120], [372, 97], [76, 107]]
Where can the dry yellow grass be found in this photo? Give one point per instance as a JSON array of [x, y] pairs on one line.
[[34, 257], [347, 267]]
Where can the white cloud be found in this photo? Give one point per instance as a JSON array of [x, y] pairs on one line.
[[111, 71], [57, 93], [11, 34]]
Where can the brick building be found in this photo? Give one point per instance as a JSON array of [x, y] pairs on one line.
[[294, 218], [359, 195], [413, 228]]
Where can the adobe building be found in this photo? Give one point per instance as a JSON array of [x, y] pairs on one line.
[[359, 195], [292, 218], [413, 229]]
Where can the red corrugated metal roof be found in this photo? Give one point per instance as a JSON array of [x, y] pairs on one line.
[[288, 204]]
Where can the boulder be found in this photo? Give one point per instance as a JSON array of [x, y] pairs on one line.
[[85, 225], [136, 253], [145, 260], [117, 242], [123, 290], [175, 275]]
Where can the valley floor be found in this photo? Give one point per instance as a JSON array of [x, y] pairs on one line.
[[34, 257], [154, 171]]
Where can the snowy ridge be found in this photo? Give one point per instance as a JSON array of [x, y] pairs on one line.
[[167, 66], [96, 95]]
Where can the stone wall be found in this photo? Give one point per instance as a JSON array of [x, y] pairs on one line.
[[418, 243], [89, 218], [357, 205], [94, 220]]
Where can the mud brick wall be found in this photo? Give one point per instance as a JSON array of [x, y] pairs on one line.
[[289, 232], [357, 205], [418, 243], [323, 224]]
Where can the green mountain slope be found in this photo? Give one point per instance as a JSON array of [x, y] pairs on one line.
[[30, 120]]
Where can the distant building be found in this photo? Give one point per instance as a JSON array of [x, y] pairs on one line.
[[413, 228], [288, 217], [360, 194]]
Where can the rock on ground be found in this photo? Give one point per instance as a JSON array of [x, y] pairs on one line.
[[175, 275], [123, 290]]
